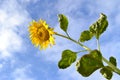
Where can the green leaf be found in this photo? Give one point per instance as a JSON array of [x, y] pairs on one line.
[[113, 60], [85, 36], [68, 57], [89, 63], [63, 22], [99, 26], [106, 72]]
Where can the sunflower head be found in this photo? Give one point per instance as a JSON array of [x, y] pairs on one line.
[[40, 34]]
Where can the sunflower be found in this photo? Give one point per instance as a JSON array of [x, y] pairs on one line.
[[40, 34]]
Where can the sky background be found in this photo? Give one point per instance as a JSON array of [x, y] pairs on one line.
[[20, 60]]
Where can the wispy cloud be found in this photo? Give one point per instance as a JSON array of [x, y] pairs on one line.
[[14, 20], [13, 25], [11, 19], [65, 6], [21, 73]]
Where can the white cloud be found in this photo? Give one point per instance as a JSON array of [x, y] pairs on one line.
[[10, 42], [22, 73], [28, 1], [1, 66], [12, 17], [13, 20], [65, 6], [25, 3]]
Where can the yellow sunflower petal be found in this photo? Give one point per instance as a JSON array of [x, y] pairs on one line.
[[40, 34]]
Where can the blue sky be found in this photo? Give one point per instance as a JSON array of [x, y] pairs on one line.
[[20, 60]]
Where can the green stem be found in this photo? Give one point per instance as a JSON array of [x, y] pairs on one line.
[[98, 44], [106, 61], [116, 70], [81, 51], [67, 34], [85, 47], [88, 49]]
